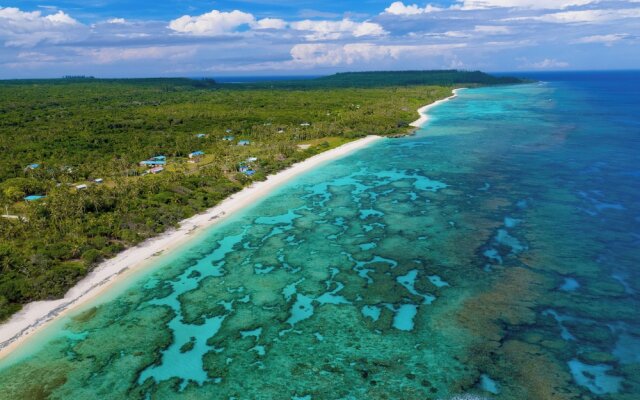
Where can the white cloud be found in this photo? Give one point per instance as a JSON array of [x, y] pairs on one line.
[[117, 21], [331, 30], [36, 57], [110, 55], [269, 23], [368, 29], [26, 29], [327, 54], [478, 31], [488, 34], [212, 23], [549, 63], [322, 55], [532, 4], [455, 34], [26, 60], [399, 8], [311, 54], [492, 29], [583, 16], [607, 40]]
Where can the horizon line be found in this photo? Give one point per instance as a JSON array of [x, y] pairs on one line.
[[311, 75]]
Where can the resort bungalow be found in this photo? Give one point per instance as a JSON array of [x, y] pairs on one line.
[[228, 131], [81, 187], [201, 135], [244, 143], [98, 180], [156, 170], [305, 124], [154, 162], [34, 197], [195, 156], [252, 159], [246, 170], [228, 138]]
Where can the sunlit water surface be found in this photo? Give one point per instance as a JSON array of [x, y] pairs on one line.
[[493, 255]]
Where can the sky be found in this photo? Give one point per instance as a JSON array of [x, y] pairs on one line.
[[199, 38]]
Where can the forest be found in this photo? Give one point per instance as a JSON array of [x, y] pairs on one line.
[[374, 79], [73, 192]]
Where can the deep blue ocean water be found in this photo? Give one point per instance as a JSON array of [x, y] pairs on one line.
[[493, 255]]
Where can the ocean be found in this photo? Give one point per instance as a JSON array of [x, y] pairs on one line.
[[493, 255]]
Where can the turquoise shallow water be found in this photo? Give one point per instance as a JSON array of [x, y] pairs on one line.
[[493, 255]]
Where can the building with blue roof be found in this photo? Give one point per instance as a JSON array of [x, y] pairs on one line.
[[246, 170], [152, 163], [34, 197]]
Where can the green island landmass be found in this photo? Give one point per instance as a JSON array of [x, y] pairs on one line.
[[73, 192]]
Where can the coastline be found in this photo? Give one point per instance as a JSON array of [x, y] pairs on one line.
[[424, 116], [36, 315]]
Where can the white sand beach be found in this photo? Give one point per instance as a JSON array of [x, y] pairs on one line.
[[36, 315], [424, 117]]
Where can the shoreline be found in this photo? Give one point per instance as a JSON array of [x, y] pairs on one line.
[[424, 117], [37, 315]]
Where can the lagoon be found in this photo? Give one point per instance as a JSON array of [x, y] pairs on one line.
[[432, 266]]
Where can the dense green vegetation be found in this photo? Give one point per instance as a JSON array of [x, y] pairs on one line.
[[398, 78], [406, 78], [82, 129]]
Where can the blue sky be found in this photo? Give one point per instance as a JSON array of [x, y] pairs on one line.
[[119, 38]]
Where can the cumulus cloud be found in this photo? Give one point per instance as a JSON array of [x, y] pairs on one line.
[[368, 29], [399, 8], [328, 54], [212, 23], [269, 23], [487, 34], [26, 29], [332, 30], [321, 54]]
